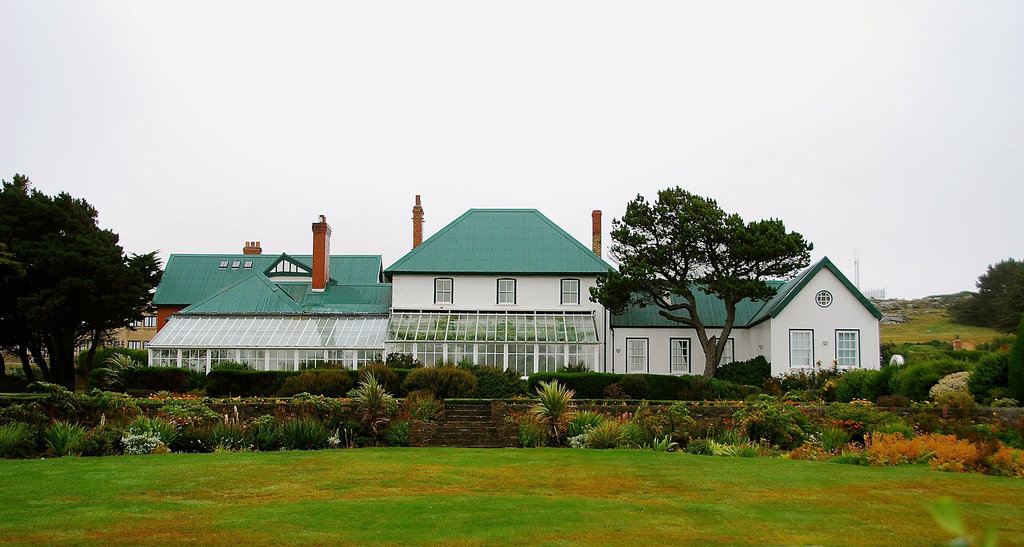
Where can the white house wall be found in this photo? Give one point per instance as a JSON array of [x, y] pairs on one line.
[[480, 292], [658, 340], [845, 313]]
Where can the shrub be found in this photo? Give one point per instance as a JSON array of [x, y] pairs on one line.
[[303, 434], [834, 438], [186, 412], [228, 436], [583, 422], [17, 440], [262, 434], [374, 406], [493, 383], [141, 444], [988, 375], [615, 391], [700, 447], [896, 401], [402, 360], [531, 432], [586, 385], [193, 440], [575, 368], [1015, 367], [110, 376], [751, 373], [329, 383], [246, 383], [610, 434], [554, 409], [165, 432], [386, 376], [64, 439], [230, 365], [104, 440], [949, 384], [101, 356], [146, 378], [894, 427], [443, 382], [914, 380], [861, 384], [635, 385], [998, 343], [1006, 402], [772, 422], [397, 434], [421, 405]]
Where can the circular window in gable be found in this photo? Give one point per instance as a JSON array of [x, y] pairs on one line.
[[823, 298]]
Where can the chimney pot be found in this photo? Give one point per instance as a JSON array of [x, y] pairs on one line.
[[596, 217]]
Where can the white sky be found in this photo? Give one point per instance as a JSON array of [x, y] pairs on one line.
[[892, 128]]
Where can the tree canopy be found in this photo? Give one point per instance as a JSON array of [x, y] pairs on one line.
[[683, 244], [64, 281], [999, 301]]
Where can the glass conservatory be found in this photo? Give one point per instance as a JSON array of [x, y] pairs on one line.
[[528, 342], [269, 343]]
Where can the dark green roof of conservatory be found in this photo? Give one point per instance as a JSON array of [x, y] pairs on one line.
[[501, 241], [191, 278]]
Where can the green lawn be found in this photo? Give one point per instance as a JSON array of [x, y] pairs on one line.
[[936, 324], [472, 496]]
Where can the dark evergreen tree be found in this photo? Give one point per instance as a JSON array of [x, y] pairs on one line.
[[1015, 371], [684, 244], [76, 281], [999, 301]]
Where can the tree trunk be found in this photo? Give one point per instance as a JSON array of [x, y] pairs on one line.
[[26, 364], [62, 360], [37, 356], [94, 341], [711, 360]]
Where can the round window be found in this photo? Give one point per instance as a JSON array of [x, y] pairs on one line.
[[823, 298]]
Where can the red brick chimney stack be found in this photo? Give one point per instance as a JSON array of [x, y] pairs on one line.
[[321, 253], [417, 224], [596, 216], [252, 248]]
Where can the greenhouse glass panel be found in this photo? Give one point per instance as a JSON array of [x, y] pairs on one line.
[[203, 332], [492, 327]]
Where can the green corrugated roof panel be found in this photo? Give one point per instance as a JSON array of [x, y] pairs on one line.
[[501, 241], [748, 313], [189, 279], [255, 295], [356, 299], [710, 308]]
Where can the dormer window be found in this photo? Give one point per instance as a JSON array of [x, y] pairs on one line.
[[223, 264]]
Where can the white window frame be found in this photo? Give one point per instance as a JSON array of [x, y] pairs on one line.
[[504, 294], [570, 296], [440, 291], [149, 321], [841, 360], [794, 361], [674, 364], [637, 355], [728, 353]]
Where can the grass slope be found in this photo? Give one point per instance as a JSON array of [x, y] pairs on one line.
[[470, 496], [926, 325]]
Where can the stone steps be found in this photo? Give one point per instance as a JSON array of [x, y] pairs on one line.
[[465, 425]]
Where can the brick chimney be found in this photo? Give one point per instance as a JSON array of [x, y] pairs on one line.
[[321, 253], [596, 216], [417, 224], [252, 248]]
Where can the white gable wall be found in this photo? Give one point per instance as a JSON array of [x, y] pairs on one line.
[[845, 313]]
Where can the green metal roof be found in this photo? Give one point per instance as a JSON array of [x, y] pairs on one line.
[[189, 278], [500, 241], [748, 313], [710, 308], [258, 295]]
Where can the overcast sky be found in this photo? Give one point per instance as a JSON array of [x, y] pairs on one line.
[[892, 129]]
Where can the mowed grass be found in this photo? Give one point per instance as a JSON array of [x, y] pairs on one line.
[[926, 325], [475, 496]]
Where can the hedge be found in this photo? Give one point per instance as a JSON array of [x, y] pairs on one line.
[[659, 387], [749, 373], [268, 383], [178, 380], [140, 356]]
